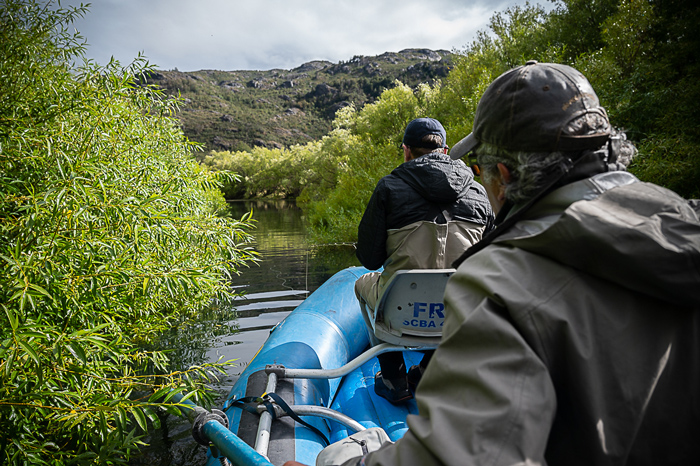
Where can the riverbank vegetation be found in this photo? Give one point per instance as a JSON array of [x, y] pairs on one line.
[[109, 232], [641, 56]]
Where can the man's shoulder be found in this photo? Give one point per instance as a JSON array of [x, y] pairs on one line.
[[384, 181], [390, 179]]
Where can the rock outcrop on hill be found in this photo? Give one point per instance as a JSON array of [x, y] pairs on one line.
[[237, 110]]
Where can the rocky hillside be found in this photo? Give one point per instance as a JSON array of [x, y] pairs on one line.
[[235, 110]]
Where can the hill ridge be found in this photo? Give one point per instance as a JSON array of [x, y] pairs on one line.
[[241, 109]]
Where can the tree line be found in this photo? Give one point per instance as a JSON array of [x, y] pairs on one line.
[[641, 56]]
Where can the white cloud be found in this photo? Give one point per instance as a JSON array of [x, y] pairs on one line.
[[264, 34]]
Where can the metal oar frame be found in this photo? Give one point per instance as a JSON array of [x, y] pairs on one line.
[[276, 372], [211, 428]]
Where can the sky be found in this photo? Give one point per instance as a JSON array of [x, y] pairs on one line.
[[230, 35]]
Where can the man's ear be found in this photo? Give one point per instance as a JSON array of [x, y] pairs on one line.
[[406, 153], [504, 173]]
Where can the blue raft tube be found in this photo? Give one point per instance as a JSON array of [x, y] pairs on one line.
[[318, 362]]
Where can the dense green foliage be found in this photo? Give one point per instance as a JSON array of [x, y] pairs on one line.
[[240, 110], [641, 56], [646, 74], [363, 147], [109, 230], [263, 172]]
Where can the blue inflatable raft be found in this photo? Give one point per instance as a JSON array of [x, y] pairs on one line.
[[316, 367]]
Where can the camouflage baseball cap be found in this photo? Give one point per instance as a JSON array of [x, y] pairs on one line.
[[529, 107]]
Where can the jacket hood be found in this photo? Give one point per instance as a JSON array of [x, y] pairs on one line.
[[436, 177], [612, 226]]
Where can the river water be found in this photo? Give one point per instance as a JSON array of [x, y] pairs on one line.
[[289, 270]]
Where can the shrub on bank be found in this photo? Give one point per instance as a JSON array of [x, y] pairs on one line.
[[108, 230], [263, 172]]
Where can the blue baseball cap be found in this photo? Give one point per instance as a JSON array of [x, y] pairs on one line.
[[421, 127]]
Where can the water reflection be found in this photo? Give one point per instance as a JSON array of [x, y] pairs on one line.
[[288, 261], [288, 271]]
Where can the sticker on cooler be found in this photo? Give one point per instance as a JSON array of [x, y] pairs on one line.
[[426, 315]]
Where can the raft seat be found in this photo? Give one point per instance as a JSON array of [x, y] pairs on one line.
[[410, 311]]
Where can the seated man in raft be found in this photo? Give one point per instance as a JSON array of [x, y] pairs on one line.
[[423, 215]]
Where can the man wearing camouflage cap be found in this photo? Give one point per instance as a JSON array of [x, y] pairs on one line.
[[572, 331]]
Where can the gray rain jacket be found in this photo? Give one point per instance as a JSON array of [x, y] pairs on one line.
[[573, 339]]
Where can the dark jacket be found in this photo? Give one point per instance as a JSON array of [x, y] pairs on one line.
[[431, 188]]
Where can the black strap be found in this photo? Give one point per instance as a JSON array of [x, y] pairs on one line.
[[285, 407], [246, 403], [250, 404]]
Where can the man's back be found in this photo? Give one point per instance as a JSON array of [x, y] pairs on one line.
[[424, 214], [432, 188]]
